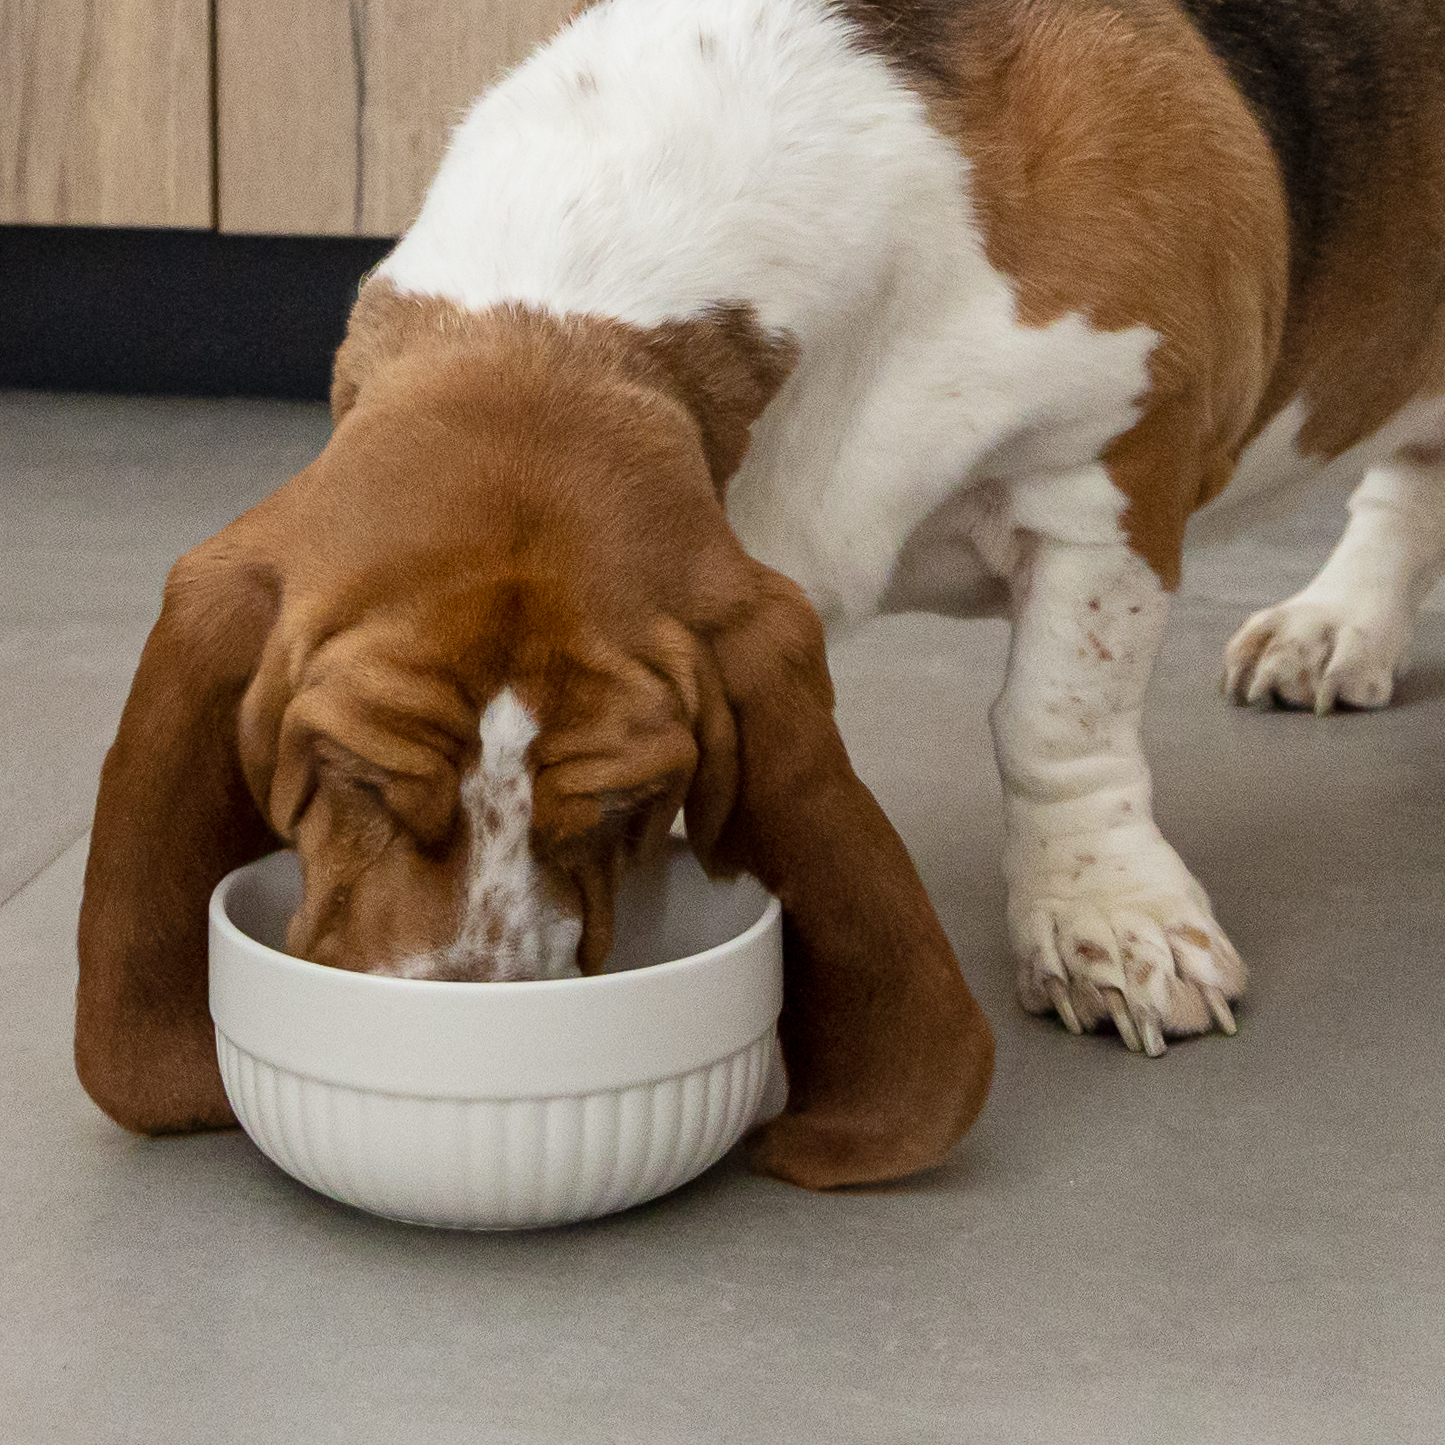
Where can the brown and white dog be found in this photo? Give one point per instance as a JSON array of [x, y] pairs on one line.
[[724, 314]]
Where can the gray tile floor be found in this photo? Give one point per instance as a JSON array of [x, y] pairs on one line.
[[1243, 1242]]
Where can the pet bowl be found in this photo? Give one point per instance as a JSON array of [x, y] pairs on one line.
[[503, 1105]]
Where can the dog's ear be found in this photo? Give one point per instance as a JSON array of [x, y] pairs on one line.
[[725, 368], [173, 817], [383, 324], [889, 1057]]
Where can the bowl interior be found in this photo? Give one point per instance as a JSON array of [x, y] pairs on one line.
[[717, 989], [667, 908]]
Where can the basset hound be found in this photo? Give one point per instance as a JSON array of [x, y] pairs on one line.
[[724, 320]]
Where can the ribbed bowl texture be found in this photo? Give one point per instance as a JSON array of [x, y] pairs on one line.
[[503, 1105]]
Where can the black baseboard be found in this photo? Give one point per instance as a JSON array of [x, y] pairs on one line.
[[187, 313]]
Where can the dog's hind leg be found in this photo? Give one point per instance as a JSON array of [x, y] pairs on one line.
[[1344, 639], [1105, 920]]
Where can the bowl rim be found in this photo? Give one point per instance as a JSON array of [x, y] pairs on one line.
[[622, 978]]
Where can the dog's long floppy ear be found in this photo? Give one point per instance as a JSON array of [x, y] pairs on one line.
[[725, 368], [173, 817], [889, 1057]]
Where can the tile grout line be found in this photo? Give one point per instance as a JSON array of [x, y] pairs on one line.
[[49, 863]]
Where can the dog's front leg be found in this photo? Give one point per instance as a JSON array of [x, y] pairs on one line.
[[1104, 918], [1344, 639]]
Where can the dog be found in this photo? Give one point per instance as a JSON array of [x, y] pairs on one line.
[[724, 320]]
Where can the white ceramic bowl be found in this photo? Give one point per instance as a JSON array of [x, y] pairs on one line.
[[503, 1105]]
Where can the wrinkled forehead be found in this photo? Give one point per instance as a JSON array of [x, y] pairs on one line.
[[486, 670]]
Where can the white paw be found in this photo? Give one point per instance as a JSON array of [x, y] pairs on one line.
[[1313, 653], [1151, 957]]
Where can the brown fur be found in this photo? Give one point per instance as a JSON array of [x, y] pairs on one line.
[[722, 366], [1367, 334], [515, 500], [1352, 93], [1119, 173], [143, 1044]]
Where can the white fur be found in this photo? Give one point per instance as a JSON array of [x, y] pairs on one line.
[[663, 155], [1104, 918], [1344, 638], [511, 926]]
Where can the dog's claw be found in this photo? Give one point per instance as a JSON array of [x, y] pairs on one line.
[[1120, 1010], [1154, 961], [1059, 997], [1219, 1008], [1316, 651], [1153, 1038]]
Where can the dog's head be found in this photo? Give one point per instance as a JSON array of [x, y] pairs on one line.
[[469, 664], [489, 679]]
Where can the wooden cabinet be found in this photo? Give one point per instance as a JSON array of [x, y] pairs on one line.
[[333, 114], [311, 117], [105, 112]]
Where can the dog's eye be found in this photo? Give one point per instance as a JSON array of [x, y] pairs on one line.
[[426, 813], [623, 816], [360, 799], [365, 790]]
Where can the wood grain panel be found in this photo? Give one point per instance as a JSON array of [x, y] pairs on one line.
[[105, 112], [333, 114], [286, 116]]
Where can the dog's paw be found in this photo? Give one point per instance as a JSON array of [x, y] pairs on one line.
[[1152, 959], [1312, 653]]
